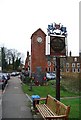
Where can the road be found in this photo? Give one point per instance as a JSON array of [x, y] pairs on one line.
[[15, 104]]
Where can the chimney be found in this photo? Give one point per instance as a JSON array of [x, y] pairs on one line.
[[27, 53], [70, 53]]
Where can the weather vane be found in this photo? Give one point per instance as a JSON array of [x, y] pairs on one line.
[[57, 29]]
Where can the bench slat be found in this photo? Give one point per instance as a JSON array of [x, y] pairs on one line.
[[50, 110], [43, 109], [40, 110]]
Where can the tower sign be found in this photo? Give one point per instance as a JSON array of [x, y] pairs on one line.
[[57, 34]]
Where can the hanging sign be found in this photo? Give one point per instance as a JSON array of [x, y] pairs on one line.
[[57, 34]]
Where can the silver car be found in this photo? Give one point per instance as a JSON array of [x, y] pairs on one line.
[[50, 75]]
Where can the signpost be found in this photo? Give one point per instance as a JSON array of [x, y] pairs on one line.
[[58, 78], [57, 33]]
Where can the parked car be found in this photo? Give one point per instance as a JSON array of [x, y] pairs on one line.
[[1, 85], [2, 82], [15, 73], [50, 75], [5, 77], [8, 75]]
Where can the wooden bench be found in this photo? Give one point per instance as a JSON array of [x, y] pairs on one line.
[[52, 109]]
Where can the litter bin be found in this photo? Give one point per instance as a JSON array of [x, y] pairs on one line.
[[35, 101]]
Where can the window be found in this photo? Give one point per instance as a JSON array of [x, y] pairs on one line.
[[67, 64], [49, 63], [73, 64], [78, 70], [67, 70], [75, 59], [54, 69], [49, 69], [54, 59], [28, 68], [73, 70], [54, 63], [78, 65]]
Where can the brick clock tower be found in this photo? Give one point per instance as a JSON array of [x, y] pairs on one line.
[[38, 58]]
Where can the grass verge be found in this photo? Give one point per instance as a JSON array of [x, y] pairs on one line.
[[75, 107], [67, 89], [43, 91]]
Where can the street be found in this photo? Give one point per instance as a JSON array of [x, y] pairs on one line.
[[15, 104]]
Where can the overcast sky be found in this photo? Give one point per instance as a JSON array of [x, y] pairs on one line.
[[20, 18]]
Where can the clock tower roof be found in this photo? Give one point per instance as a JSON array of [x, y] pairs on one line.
[[37, 31]]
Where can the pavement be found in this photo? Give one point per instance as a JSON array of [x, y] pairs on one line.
[[15, 104], [0, 104]]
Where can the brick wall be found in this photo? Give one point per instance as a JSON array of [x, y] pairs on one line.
[[38, 58]]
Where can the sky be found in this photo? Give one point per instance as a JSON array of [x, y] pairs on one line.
[[19, 19]]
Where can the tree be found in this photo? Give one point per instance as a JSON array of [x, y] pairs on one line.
[[3, 57], [17, 63], [14, 58], [11, 59]]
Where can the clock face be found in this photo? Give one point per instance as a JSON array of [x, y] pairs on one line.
[[39, 39]]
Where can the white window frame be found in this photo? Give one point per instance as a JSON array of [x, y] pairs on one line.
[[67, 64], [73, 70], [73, 65], [49, 69], [67, 70], [49, 63], [75, 59], [54, 69], [78, 70], [78, 65]]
